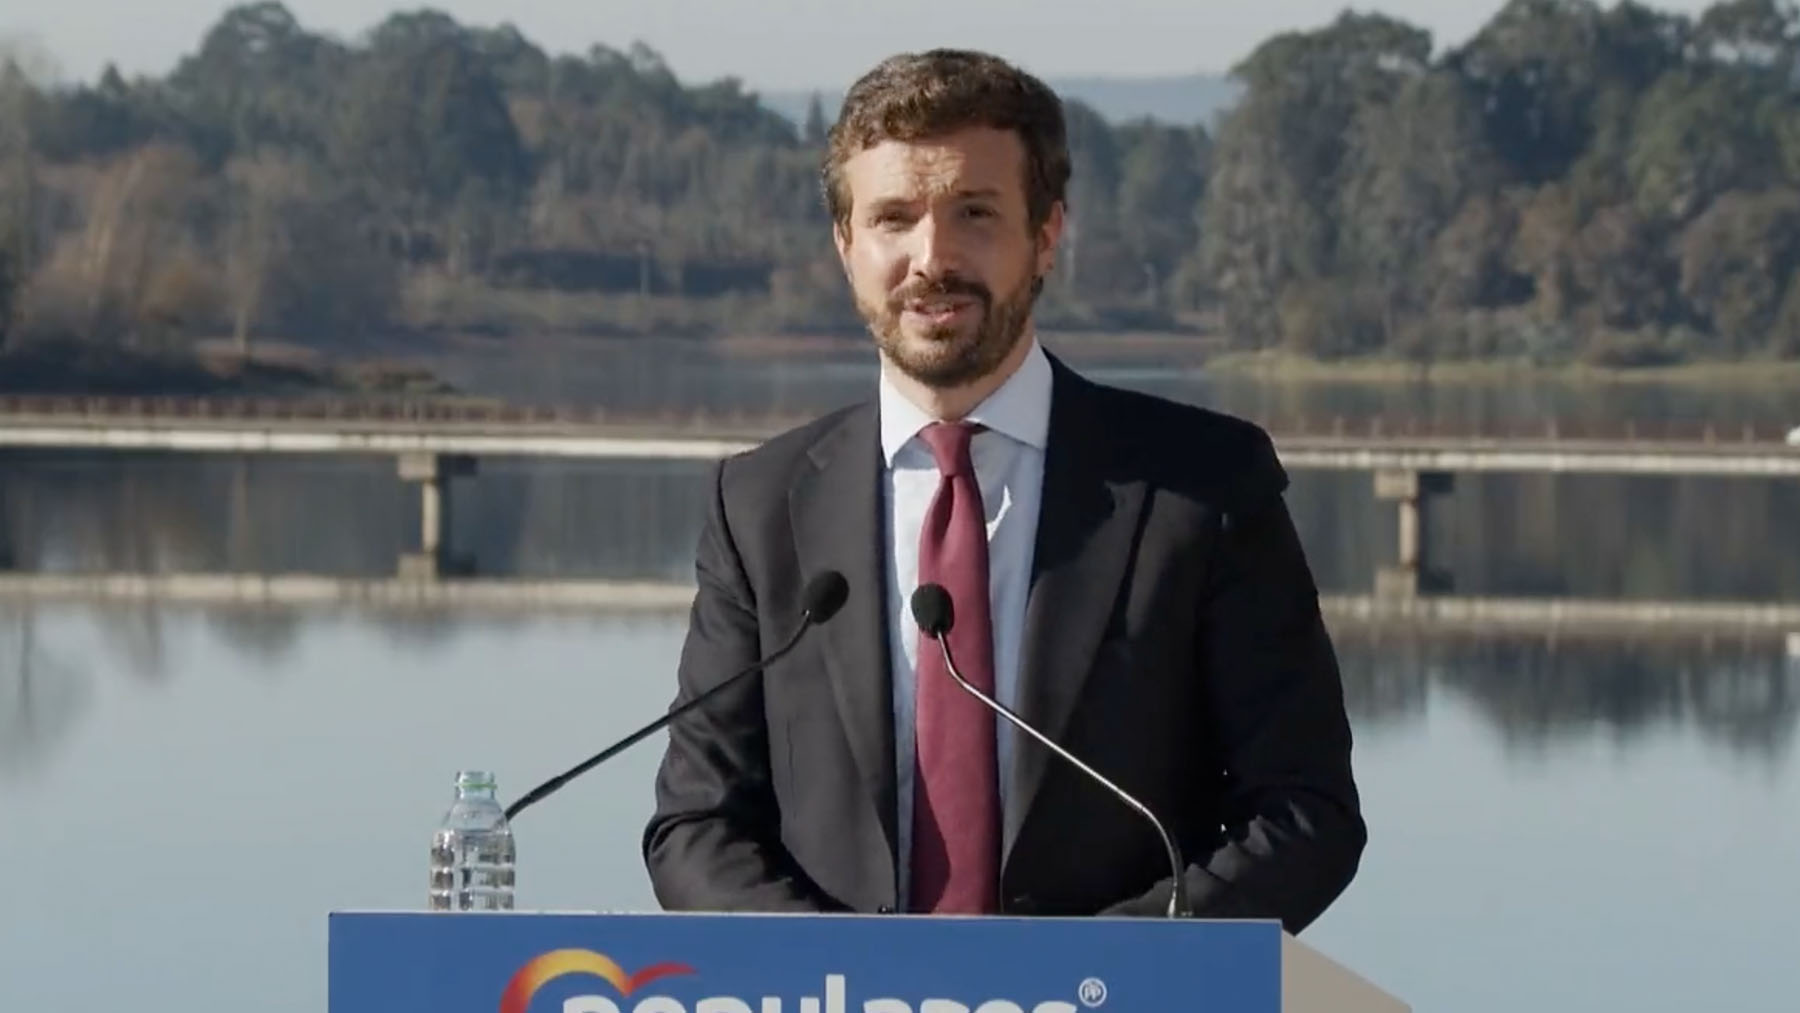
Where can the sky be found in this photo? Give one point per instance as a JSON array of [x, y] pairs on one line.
[[771, 45]]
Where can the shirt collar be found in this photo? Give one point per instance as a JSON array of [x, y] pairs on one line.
[[1019, 410]]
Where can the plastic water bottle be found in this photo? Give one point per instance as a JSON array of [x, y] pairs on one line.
[[472, 852]]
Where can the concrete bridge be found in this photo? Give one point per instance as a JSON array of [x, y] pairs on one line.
[[435, 440], [476, 429]]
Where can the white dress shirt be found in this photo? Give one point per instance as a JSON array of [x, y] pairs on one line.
[[1009, 467]]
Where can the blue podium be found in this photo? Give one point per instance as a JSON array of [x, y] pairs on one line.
[[548, 962]]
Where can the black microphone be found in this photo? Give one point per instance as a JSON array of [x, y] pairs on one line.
[[822, 598], [932, 610]]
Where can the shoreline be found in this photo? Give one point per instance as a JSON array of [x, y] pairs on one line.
[[1383, 371], [402, 365], [1203, 353]]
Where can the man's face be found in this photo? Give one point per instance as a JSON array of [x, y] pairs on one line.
[[939, 251]]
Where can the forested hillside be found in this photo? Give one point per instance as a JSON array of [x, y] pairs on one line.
[[1614, 184]]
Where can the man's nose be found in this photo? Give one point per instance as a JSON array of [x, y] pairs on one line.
[[936, 252]]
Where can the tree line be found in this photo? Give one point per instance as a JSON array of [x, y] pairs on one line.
[[1618, 185]]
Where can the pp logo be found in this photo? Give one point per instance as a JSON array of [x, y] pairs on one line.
[[1092, 992]]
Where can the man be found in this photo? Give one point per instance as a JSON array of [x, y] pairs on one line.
[[1123, 571]]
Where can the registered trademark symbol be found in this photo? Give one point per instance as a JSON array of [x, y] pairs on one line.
[[1092, 992]]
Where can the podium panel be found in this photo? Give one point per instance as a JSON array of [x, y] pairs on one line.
[[529, 962]]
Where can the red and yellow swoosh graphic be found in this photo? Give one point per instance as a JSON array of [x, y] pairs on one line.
[[556, 963]]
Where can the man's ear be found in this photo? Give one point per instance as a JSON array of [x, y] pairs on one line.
[[840, 237], [1049, 237]]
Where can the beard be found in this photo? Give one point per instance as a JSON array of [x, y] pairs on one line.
[[948, 356]]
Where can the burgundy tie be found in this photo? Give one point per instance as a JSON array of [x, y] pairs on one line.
[[956, 810]]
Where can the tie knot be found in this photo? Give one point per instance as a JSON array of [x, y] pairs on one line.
[[949, 443]]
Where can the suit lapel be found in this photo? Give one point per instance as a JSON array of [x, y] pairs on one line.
[[836, 513], [1086, 526]]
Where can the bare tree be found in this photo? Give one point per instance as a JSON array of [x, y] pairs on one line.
[[138, 218], [266, 191], [25, 67]]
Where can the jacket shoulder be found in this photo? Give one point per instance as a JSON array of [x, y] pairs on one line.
[[771, 466], [1189, 446]]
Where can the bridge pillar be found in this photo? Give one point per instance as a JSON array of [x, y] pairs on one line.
[[433, 472], [1411, 574]]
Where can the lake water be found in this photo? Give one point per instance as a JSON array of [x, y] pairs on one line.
[[1560, 819]]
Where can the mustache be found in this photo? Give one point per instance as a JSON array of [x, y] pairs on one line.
[[941, 288]]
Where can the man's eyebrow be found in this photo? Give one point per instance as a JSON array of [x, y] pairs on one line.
[[893, 201], [889, 204]]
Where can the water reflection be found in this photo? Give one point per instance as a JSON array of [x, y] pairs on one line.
[[1740, 694], [637, 520], [285, 761], [42, 696], [1539, 692], [291, 761], [1597, 536], [348, 516]]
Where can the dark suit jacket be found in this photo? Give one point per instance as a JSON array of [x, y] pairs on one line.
[[1173, 641]]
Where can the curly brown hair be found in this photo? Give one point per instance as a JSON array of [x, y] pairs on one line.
[[914, 96]]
